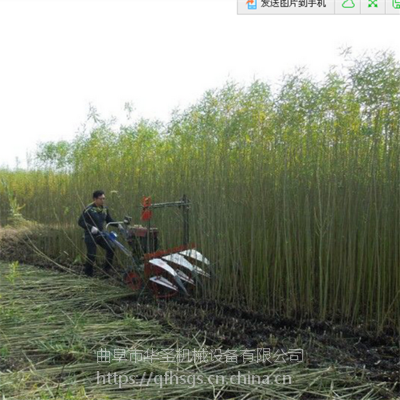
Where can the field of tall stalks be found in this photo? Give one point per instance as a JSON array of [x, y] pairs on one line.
[[295, 191]]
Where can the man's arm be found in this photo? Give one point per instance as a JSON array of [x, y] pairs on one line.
[[83, 221], [108, 217]]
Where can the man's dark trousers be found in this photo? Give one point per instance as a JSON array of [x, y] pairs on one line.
[[92, 241]]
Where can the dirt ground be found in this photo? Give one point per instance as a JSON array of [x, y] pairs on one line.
[[229, 326]]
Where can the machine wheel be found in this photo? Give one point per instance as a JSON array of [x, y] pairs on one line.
[[133, 280]]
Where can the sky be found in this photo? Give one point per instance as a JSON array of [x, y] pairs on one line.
[[58, 57]]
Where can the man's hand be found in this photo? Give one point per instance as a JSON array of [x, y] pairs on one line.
[[94, 230], [127, 220]]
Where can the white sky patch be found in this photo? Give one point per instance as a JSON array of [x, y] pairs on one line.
[[57, 57]]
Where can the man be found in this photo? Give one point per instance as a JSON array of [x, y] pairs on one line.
[[93, 220]]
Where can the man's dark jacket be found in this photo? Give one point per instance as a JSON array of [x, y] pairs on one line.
[[94, 216]]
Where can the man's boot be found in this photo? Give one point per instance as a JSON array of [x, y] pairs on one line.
[[107, 271], [88, 270]]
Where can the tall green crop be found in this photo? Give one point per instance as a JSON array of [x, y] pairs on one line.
[[295, 192]]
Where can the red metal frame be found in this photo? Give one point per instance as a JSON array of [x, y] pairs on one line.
[[161, 253], [133, 279]]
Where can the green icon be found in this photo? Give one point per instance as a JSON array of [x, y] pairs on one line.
[[396, 4], [373, 3], [350, 4]]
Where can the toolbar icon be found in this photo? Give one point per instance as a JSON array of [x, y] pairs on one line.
[[373, 3], [396, 4], [349, 4], [252, 4]]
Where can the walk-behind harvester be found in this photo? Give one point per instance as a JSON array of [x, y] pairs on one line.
[[165, 272]]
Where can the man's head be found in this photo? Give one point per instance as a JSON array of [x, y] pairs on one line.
[[99, 198]]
